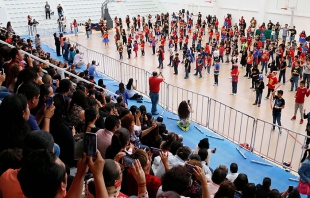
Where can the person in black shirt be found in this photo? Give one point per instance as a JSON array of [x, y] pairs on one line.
[[87, 29], [187, 66], [293, 34], [255, 75], [282, 68], [295, 76], [269, 25], [279, 104], [60, 11], [259, 87]]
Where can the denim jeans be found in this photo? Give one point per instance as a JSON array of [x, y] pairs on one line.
[[284, 38], [198, 70], [186, 73], [276, 118], [258, 98], [272, 37], [292, 38], [248, 70], [294, 82], [59, 15], [264, 66], [289, 61], [75, 30], [120, 55], [56, 150], [87, 34], [4, 93], [282, 74], [306, 78], [227, 57], [160, 63], [154, 99], [234, 87], [175, 69]]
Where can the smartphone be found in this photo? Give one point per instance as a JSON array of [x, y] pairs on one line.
[[155, 151], [2, 70], [190, 168], [49, 102], [128, 161], [290, 188], [90, 144], [54, 81], [78, 144], [188, 101]]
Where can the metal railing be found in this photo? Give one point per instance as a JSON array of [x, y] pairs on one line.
[[228, 122]]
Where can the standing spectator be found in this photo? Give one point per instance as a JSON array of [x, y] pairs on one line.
[[160, 54], [254, 75], [293, 34], [187, 66], [282, 68], [234, 79], [75, 25], [300, 99], [307, 116], [47, 10], [154, 83], [87, 29], [279, 104], [233, 172], [199, 66], [216, 72], [60, 11]]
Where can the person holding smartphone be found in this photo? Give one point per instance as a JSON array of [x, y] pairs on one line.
[[154, 82], [3, 90], [184, 111]]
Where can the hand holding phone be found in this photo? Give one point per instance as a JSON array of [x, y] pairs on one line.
[[90, 142], [155, 151], [49, 102], [190, 168], [128, 161]]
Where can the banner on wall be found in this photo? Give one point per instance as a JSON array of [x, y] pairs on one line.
[[3, 17]]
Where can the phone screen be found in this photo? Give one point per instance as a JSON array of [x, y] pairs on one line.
[[190, 168], [54, 81], [78, 145], [290, 188], [90, 142], [128, 161], [188, 101], [49, 101], [155, 151]]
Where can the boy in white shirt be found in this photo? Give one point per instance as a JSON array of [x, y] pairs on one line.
[[233, 172]]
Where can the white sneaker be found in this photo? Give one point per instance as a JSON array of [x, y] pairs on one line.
[[305, 146], [234, 94], [230, 77]]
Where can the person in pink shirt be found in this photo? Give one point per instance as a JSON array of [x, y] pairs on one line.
[[104, 136]]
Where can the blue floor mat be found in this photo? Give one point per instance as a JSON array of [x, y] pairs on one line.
[[226, 152]]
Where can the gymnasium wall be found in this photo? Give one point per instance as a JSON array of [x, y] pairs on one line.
[[262, 10]]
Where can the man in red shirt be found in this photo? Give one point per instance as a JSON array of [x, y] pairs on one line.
[[302, 91], [154, 82]]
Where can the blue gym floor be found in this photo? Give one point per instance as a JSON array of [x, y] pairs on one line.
[[226, 152]]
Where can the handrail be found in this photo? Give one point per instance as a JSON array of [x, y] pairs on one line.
[[62, 69]]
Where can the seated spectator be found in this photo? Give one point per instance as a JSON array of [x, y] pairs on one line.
[[203, 154], [153, 139], [204, 143], [78, 59], [104, 136], [3, 90], [32, 92], [249, 190], [179, 159], [113, 175], [43, 166], [11, 78], [76, 109], [152, 182], [14, 114], [10, 158], [240, 182], [218, 177], [195, 189], [120, 142], [184, 111], [27, 75], [132, 94], [46, 92], [72, 54], [122, 92], [33, 141], [135, 136], [227, 189], [100, 84], [274, 193], [233, 172], [262, 190], [121, 103], [91, 116], [47, 79]]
